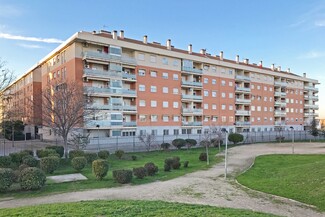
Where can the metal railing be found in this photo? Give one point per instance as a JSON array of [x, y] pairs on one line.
[[109, 57], [193, 70]]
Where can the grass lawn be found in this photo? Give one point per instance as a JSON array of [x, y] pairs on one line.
[[127, 209], [157, 157], [299, 177]]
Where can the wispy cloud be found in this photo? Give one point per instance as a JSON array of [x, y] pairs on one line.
[[30, 46], [9, 11], [312, 55], [26, 38], [314, 17], [320, 23]]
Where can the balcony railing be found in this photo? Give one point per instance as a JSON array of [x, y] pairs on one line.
[[193, 70], [280, 94], [279, 123], [243, 77], [243, 89], [279, 113], [192, 97], [243, 123], [109, 57], [240, 100], [315, 98], [195, 111], [310, 114], [101, 123], [311, 106], [242, 112], [311, 88], [279, 83], [192, 83], [109, 91], [194, 123], [129, 124], [279, 103], [112, 107], [128, 76]]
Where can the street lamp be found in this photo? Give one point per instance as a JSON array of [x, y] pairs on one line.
[[225, 131], [293, 140], [98, 137]]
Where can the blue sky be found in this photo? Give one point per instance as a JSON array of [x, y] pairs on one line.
[[289, 33]]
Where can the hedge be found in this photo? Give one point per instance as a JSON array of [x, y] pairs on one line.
[[32, 178]]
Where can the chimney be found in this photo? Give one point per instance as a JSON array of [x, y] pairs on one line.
[[246, 61], [304, 75], [189, 48], [237, 58], [121, 34], [114, 34], [272, 67], [261, 63], [279, 68], [202, 51], [169, 44], [221, 55], [288, 70], [145, 39]]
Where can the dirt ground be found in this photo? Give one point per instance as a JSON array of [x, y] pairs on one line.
[[203, 187]]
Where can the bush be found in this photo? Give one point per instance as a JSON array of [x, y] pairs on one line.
[[119, 153], [17, 157], [6, 178], [173, 162], [179, 143], [151, 168], [32, 178], [76, 153], [186, 164], [16, 175], [205, 143], [215, 142], [167, 167], [30, 161], [5, 161], [140, 172], [165, 146], [78, 163], [103, 154], [203, 156], [22, 167], [190, 142], [90, 156], [29, 152], [49, 164], [134, 158], [58, 149], [45, 152], [100, 168], [235, 138], [123, 176], [176, 164]]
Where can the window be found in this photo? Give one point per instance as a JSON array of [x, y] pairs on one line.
[[271, 89], [154, 118], [175, 104], [153, 89], [271, 99], [166, 132], [258, 119], [154, 132], [140, 56], [116, 133], [214, 81], [165, 89], [206, 119], [165, 104], [175, 90], [223, 119], [223, 83], [175, 118], [205, 80], [265, 98], [206, 106], [214, 94], [153, 103], [176, 132], [265, 109], [142, 118], [165, 118], [258, 108], [115, 50], [164, 61], [252, 86], [271, 109], [214, 106], [214, 69], [175, 77], [223, 107], [231, 95], [206, 93], [223, 95], [153, 58], [175, 63], [142, 103], [142, 72], [265, 88], [142, 87], [230, 72], [231, 119], [153, 74], [258, 87], [165, 75], [230, 83], [231, 107]]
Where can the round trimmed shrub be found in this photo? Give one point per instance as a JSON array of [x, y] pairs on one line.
[[6, 178], [215, 142], [203, 156], [186, 164], [45, 153], [140, 172], [29, 152], [103, 154], [179, 143], [32, 178], [49, 164], [235, 138], [5, 161], [17, 157], [16, 175], [22, 167], [190, 142], [76, 153], [30, 161], [176, 164], [165, 146], [119, 153], [91, 156], [134, 158], [78, 163], [167, 167], [58, 149], [151, 168], [100, 168], [123, 176]]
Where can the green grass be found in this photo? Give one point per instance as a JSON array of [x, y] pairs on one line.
[[126, 162], [127, 209], [299, 177]]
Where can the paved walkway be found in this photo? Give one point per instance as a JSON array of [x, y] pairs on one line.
[[202, 187]]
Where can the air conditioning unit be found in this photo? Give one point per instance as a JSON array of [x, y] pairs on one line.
[[85, 44]]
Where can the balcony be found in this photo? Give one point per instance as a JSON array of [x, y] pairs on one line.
[[310, 114], [109, 91], [243, 78], [191, 97], [191, 124], [128, 76], [101, 123], [243, 89], [279, 103], [243, 101], [194, 111], [311, 106], [109, 57], [279, 113], [281, 84], [125, 108], [279, 123], [192, 83], [130, 124], [280, 94], [243, 112], [311, 88], [314, 98], [242, 123], [192, 70]]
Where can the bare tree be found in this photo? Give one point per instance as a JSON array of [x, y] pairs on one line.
[[148, 140], [79, 141], [64, 109], [6, 76]]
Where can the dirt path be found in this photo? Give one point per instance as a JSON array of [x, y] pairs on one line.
[[202, 187]]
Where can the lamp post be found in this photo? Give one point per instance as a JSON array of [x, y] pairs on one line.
[[98, 137], [293, 140], [226, 150]]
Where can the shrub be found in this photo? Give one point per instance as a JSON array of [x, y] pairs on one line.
[[173, 162], [5, 161], [179, 143], [30, 161], [235, 138], [54, 155], [123, 176], [32, 178], [6, 178], [18, 157], [16, 175], [203, 156], [205, 143], [100, 168], [190, 142], [151, 168], [22, 167], [215, 142], [167, 167], [49, 164], [58, 149], [176, 164], [90, 156], [140, 172], [119, 153], [169, 161], [103, 154], [76, 153], [134, 158], [165, 146], [78, 163], [186, 164], [45, 152], [29, 152]]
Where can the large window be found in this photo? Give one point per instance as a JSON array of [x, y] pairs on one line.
[[115, 50]]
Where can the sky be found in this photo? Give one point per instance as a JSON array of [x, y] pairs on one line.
[[289, 33]]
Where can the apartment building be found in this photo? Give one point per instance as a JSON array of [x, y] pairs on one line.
[[141, 87]]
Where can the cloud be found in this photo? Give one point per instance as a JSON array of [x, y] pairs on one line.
[[30, 46], [312, 55], [320, 23], [314, 17], [35, 39], [9, 11]]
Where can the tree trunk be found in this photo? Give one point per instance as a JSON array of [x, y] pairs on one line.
[[65, 139], [207, 152]]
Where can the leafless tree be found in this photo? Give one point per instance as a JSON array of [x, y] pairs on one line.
[[148, 140], [6, 76], [64, 109], [79, 141]]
